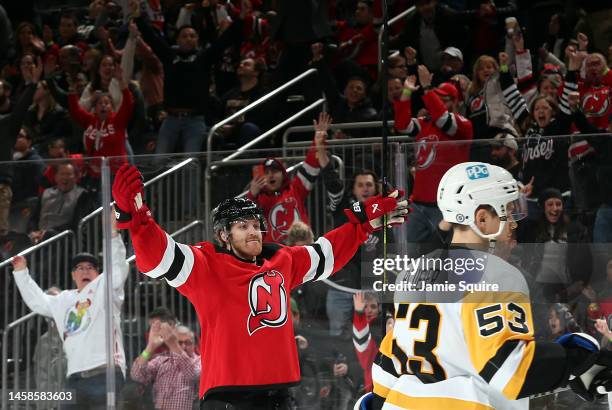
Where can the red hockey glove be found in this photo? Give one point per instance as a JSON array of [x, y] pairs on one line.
[[128, 193], [370, 212]]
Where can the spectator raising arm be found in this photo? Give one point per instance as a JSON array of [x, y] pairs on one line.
[[33, 296]]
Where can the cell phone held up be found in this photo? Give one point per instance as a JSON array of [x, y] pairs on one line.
[[258, 171]]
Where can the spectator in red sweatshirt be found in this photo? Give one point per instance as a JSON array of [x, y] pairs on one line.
[[105, 129], [434, 155], [366, 332], [282, 198]]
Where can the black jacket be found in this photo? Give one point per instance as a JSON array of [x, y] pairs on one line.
[[9, 128], [449, 31], [340, 198], [186, 75]]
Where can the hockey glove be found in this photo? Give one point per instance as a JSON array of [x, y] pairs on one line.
[[590, 368], [128, 191], [370, 212]]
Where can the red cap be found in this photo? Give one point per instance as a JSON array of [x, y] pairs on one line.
[[448, 90]]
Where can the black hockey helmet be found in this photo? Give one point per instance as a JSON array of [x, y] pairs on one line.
[[235, 209]]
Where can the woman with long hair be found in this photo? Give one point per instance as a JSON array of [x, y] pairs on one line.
[[105, 127], [46, 120]]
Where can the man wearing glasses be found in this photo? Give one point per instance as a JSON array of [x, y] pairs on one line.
[[173, 373]]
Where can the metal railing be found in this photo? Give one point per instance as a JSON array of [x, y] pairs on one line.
[[182, 181], [251, 106], [16, 362], [272, 130], [391, 22], [48, 261], [334, 127]]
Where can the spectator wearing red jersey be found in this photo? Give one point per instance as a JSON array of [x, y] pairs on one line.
[[282, 198], [441, 124], [594, 88], [359, 42], [365, 340], [104, 128]]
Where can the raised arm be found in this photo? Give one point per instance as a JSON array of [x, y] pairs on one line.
[[157, 254], [158, 44], [333, 250], [316, 158], [512, 96], [402, 109], [33, 296]]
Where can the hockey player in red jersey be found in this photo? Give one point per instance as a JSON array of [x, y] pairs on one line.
[[282, 198], [240, 288]]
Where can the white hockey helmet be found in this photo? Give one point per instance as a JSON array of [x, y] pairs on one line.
[[468, 185]]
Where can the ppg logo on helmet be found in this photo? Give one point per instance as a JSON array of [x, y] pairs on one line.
[[477, 171]]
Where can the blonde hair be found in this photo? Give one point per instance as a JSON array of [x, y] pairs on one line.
[[299, 232], [476, 84]]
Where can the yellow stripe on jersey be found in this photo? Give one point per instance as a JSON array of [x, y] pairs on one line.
[[432, 403], [380, 390], [494, 323], [386, 345], [514, 386]]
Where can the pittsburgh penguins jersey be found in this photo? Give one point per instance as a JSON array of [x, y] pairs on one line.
[[247, 339], [454, 348]]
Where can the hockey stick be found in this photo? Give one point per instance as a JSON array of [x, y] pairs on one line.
[[385, 140]]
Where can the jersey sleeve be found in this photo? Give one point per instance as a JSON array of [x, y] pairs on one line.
[[404, 122], [384, 373], [159, 256], [327, 255], [450, 123], [365, 347], [306, 175], [499, 334]]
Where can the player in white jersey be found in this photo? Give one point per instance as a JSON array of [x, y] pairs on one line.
[[468, 343]]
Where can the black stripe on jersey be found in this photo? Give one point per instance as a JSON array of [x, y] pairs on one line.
[[361, 340], [550, 367], [177, 264], [321, 265], [386, 364], [448, 123], [489, 370], [311, 178]]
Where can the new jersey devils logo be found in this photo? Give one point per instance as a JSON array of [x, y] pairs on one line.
[[596, 103], [282, 217], [268, 301], [477, 103], [426, 151]]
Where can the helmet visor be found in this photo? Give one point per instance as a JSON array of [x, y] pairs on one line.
[[517, 209]]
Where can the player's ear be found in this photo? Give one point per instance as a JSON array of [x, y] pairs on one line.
[[480, 218]]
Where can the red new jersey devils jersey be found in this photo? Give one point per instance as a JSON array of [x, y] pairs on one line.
[[283, 208], [247, 338], [434, 153]]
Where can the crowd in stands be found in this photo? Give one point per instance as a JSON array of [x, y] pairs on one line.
[[138, 77]]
